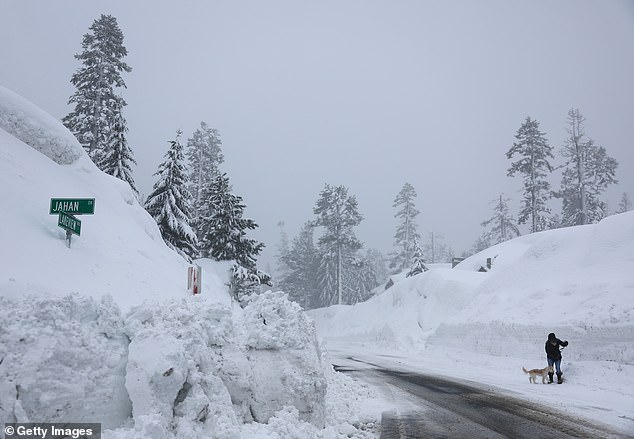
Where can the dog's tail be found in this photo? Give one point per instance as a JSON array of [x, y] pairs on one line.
[[525, 371]]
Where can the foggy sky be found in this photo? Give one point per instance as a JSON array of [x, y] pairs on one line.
[[366, 94]]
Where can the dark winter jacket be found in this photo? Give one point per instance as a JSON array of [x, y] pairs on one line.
[[552, 347]]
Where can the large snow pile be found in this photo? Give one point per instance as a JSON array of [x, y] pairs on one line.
[[105, 331], [180, 368]]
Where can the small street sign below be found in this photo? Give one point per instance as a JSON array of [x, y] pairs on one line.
[[69, 223], [73, 206]]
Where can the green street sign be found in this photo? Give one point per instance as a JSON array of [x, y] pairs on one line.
[[73, 206], [69, 223]]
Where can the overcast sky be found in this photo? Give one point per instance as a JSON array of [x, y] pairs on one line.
[[366, 94]]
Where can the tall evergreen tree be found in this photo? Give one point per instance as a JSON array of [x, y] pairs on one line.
[[118, 158], [359, 279], [96, 103], [406, 230], [338, 214], [378, 265], [501, 225], [300, 279], [169, 203], [587, 173], [625, 205], [533, 164], [436, 249], [204, 154], [225, 236]]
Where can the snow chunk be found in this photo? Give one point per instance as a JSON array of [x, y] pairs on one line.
[[38, 129], [175, 369], [62, 359], [285, 358]]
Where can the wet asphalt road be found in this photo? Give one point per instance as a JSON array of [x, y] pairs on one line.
[[442, 408]]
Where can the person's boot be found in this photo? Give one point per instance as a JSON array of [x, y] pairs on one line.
[[559, 380], [550, 377]]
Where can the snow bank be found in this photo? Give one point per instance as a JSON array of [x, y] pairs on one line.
[[405, 314], [38, 129], [575, 281], [180, 368]]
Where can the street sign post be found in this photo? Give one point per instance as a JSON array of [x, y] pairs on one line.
[[73, 206], [67, 208]]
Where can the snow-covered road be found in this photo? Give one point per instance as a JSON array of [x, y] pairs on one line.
[[420, 405]]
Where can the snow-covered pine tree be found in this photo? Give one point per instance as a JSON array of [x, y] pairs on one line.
[[204, 155], [436, 249], [300, 278], [327, 278], [95, 100], [587, 173], [378, 265], [502, 225], [482, 243], [533, 164], [625, 205], [169, 202], [117, 158], [418, 261], [224, 235], [407, 229], [338, 214]]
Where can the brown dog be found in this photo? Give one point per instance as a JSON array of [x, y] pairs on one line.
[[534, 373]]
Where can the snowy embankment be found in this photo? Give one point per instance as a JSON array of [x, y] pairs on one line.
[[576, 282], [105, 331]]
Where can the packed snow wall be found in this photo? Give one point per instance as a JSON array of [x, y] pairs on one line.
[[179, 368]]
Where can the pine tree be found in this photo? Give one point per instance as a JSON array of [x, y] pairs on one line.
[[96, 104], [626, 204], [418, 262], [588, 172], [169, 203], [204, 155], [224, 236], [359, 279], [337, 213], [300, 279], [533, 151], [378, 265], [502, 225], [482, 243], [436, 249], [117, 158], [406, 231]]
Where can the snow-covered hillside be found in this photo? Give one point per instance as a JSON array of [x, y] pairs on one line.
[[577, 282], [105, 331]]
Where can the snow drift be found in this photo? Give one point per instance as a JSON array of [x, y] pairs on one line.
[[575, 281]]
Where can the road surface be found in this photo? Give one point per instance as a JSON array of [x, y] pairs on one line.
[[427, 406]]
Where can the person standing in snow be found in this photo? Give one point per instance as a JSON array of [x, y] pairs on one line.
[[553, 355]]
